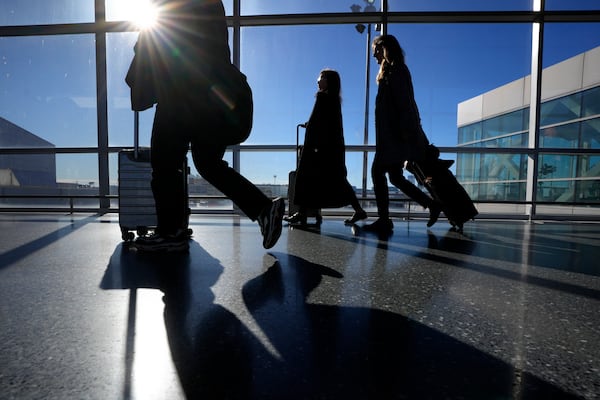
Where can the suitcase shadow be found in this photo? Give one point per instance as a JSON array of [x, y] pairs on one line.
[[330, 351]]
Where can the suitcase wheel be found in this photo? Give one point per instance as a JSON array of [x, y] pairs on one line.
[[127, 236], [142, 231]]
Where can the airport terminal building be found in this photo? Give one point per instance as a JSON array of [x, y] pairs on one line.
[[569, 124]]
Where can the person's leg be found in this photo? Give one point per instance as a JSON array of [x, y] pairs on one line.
[[397, 179], [167, 154], [383, 224], [208, 159], [169, 146], [380, 187], [359, 212]]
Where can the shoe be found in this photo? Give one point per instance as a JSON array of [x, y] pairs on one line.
[[381, 225], [270, 220], [434, 213], [296, 219], [177, 242], [357, 216]]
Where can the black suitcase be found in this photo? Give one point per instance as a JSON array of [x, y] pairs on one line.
[[435, 175], [293, 208], [137, 212]]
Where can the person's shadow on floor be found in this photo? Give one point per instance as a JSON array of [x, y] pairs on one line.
[[213, 351], [344, 352]]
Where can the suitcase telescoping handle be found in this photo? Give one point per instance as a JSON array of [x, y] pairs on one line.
[[136, 133], [298, 142]]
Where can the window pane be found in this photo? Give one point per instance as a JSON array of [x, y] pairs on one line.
[[284, 88], [565, 40], [460, 5], [469, 133], [500, 177], [268, 170], [560, 110], [49, 89], [590, 134], [453, 89], [572, 5], [49, 175], [570, 85], [569, 178], [591, 102], [563, 136], [504, 124], [264, 7], [28, 170], [37, 12]]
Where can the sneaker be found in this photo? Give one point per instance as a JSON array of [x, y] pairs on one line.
[[270, 222], [381, 225], [156, 242], [357, 216], [434, 213]]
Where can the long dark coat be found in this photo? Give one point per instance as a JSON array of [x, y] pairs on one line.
[[399, 135], [321, 176]]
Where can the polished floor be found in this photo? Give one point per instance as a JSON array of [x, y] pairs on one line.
[[506, 310]]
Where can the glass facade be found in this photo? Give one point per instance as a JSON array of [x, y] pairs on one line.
[[566, 122], [65, 108]]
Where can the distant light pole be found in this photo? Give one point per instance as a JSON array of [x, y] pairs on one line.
[[360, 28]]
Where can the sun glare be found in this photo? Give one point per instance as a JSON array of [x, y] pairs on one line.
[[143, 13]]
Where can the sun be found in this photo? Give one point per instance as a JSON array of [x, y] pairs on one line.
[[143, 13]]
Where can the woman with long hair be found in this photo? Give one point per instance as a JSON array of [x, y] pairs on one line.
[[321, 177], [399, 136]]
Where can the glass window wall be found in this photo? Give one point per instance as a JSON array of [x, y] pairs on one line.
[[449, 67], [48, 89], [38, 12], [48, 95]]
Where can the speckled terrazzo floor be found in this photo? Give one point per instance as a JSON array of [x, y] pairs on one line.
[[507, 310]]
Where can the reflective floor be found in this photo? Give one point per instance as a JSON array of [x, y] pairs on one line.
[[507, 310]]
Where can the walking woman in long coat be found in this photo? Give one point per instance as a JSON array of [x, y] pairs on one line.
[[398, 133], [321, 177]]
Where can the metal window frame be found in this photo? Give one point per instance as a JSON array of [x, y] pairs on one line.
[[100, 27]]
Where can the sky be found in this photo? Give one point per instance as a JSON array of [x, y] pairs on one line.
[[47, 84]]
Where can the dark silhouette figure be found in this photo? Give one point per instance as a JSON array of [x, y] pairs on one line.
[[399, 135], [190, 58], [321, 177]]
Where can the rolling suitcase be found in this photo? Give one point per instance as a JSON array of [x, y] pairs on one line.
[[137, 212], [434, 174], [293, 208]]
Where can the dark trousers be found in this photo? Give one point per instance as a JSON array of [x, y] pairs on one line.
[[396, 174], [173, 132]]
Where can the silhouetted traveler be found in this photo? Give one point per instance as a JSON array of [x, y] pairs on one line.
[[399, 135], [321, 177], [198, 105]]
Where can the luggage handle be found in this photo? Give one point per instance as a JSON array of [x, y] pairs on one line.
[[136, 134], [298, 142]]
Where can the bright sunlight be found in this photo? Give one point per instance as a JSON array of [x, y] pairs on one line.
[[143, 13]]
